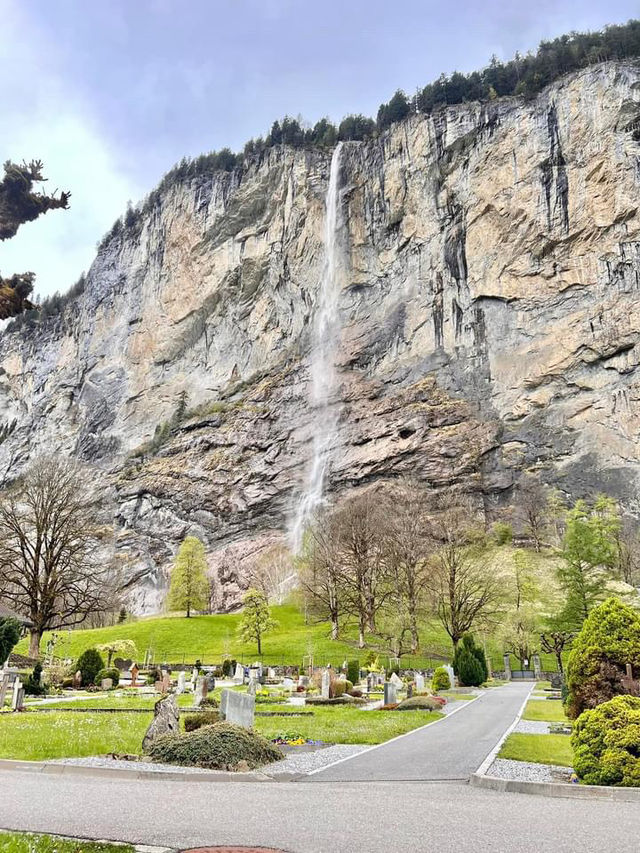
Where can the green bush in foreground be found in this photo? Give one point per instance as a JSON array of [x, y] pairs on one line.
[[606, 743], [419, 703], [607, 642], [193, 722], [219, 747], [441, 680], [89, 663]]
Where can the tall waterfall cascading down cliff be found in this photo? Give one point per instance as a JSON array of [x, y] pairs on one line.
[[238, 352], [326, 333]]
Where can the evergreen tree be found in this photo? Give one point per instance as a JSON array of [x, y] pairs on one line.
[[9, 636], [189, 588]]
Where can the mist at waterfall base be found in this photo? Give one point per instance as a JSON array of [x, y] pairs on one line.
[[325, 338]]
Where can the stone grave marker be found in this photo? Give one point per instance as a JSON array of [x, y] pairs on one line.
[[238, 676], [166, 682], [371, 683], [5, 683], [182, 682], [507, 667], [390, 695], [271, 673], [106, 684], [396, 680], [201, 691], [556, 680], [451, 674], [17, 700], [77, 680], [288, 683], [194, 677], [158, 687], [238, 708], [419, 682], [166, 720], [133, 670], [537, 669], [326, 683], [252, 689]]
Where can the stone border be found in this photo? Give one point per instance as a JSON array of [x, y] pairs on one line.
[[50, 768], [555, 789]]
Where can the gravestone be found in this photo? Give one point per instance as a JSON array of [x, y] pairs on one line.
[[629, 670], [396, 680], [238, 676], [419, 682], [17, 700], [556, 680], [537, 669], [238, 708], [326, 684], [194, 677], [371, 683], [77, 680], [390, 694], [166, 720], [288, 683], [271, 673], [6, 680], [106, 684], [409, 690], [252, 689], [133, 670], [451, 674], [507, 667], [166, 681], [182, 682], [303, 681], [201, 691], [211, 682], [158, 687]]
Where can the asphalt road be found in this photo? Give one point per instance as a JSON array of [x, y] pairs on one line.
[[369, 817], [451, 749]]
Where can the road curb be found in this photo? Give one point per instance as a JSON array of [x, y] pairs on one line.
[[51, 769], [555, 789]]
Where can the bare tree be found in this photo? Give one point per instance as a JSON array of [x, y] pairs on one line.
[[464, 589], [532, 508], [320, 574], [52, 551], [273, 573], [628, 546], [407, 549]]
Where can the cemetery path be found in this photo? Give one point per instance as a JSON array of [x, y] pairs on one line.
[[375, 817], [451, 749]]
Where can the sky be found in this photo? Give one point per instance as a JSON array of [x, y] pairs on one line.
[[110, 95]]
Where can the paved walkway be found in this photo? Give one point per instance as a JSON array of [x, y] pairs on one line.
[[451, 749]]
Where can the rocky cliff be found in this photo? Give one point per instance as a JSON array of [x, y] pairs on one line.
[[489, 322]]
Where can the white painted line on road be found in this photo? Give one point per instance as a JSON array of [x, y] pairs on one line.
[[393, 739], [486, 764]]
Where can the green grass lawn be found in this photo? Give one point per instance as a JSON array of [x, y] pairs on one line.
[[546, 710], [539, 749], [39, 737], [342, 724], [14, 842], [120, 702]]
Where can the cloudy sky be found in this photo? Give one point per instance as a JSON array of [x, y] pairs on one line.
[[109, 95]]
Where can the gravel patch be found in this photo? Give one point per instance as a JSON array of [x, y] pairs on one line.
[[532, 727], [524, 771], [305, 762], [133, 766]]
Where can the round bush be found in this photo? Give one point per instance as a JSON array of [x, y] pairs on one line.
[[193, 722], [420, 703], [113, 674], [441, 680], [219, 747], [608, 640], [606, 743], [89, 663]]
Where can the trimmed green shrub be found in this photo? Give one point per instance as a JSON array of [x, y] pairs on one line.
[[345, 699], [353, 671], [419, 703], [226, 668], [606, 743], [113, 673], [596, 670], [219, 747], [89, 663], [33, 686], [468, 647], [210, 702], [441, 680], [338, 688], [470, 671], [193, 722], [10, 631]]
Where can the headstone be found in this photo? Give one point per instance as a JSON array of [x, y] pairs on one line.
[[4, 687], [182, 682], [194, 677], [166, 682], [238, 675], [288, 683], [166, 720], [629, 669], [201, 691], [106, 683], [271, 673], [238, 708], [451, 674], [409, 690], [371, 682], [77, 680], [303, 681], [252, 689], [537, 669], [419, 682], [390, 695], [17, 700], [133, 669], [396, 680], [159, 687], [556, 680], [211, 682], [507, 667], [326, 683]]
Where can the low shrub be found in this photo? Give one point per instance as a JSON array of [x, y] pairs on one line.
[[345, 699], [420, 703], [219, 747], [338, 688], [502, 533], [89, 663], [441, 680], [33, 686], [606, 743], [193, 722], [210, 702], [113, 674]]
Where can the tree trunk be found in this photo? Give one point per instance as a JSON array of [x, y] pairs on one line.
[[334, 629], [559, 662], [34, 643], [259, 638], [188, 611]]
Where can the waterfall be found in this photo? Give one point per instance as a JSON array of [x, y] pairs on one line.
[[325, 339]]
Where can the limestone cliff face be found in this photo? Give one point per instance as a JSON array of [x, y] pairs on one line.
[[490, 309]]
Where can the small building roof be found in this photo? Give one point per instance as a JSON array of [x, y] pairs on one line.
[[7, 612]]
